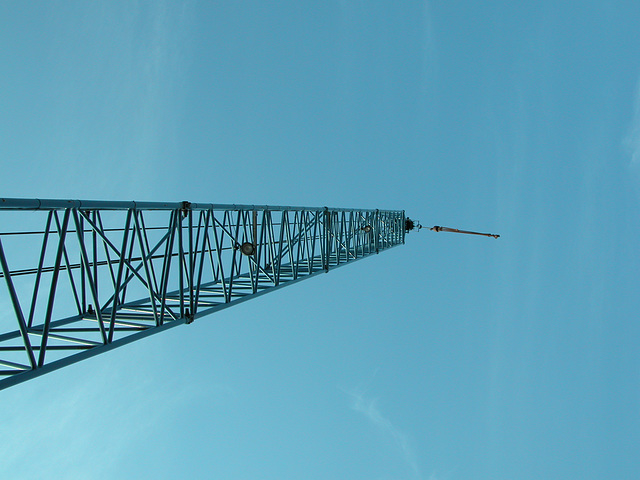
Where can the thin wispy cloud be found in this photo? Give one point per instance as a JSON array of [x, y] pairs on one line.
[[632, 140], [126, 409], [368, 406], [429, 62]]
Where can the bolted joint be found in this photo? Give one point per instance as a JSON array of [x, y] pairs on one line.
[[185, 209], [410, 225], [188, 317], [247, 248]]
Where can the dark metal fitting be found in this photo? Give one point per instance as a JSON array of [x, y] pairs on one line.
[[409, 225], [186, 207], [248, 248]]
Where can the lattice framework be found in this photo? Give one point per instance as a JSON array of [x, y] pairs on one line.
[[133, 269]]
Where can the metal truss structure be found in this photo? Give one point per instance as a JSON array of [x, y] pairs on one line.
[[82, 277]]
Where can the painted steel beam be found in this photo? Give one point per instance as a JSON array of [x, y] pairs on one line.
[[85, 277]]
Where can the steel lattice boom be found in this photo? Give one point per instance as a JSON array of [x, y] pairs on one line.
[[82, 277]]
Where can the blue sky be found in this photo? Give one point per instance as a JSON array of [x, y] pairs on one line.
[[448, 358]]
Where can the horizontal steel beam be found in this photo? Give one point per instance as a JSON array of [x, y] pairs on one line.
[[49, 204]]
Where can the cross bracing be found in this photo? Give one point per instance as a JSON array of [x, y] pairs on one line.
[[82, 277]]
